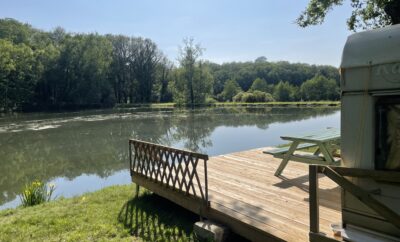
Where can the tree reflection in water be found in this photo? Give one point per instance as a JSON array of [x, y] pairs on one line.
[[47, 146]]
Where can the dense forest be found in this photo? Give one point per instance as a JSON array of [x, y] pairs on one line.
[[47, 70]]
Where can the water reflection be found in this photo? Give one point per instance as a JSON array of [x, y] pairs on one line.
[[84, 151]]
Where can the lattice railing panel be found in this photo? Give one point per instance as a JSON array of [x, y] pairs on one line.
[[171, 167]]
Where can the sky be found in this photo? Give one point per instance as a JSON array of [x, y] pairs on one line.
[[228, 30]]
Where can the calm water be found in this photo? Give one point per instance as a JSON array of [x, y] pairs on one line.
[[86, 151]]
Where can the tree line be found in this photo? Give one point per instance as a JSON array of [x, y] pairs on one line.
[[42, 70]]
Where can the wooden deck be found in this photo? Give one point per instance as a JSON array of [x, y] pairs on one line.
[[245, 195]]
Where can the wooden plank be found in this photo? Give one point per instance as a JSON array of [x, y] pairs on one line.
[[246, 196], [312, 138], [319, 237], [189, 202], [195, 204], [387, 176], [276, 151]]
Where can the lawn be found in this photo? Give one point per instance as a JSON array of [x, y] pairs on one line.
[[111, 214]]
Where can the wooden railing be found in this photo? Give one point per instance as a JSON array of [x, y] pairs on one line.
[[337, 174], [174, 168]]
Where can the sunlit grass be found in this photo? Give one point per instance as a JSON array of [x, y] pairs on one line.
[[111, 214], [299, 103], [223, 104]]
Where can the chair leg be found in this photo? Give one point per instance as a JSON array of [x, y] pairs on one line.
[[285, 160]]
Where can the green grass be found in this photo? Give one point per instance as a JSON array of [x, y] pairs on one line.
[[111, 214], [146, 105], [305, 103], [224, 104]]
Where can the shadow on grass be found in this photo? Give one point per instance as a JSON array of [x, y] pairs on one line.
[[152, 217]]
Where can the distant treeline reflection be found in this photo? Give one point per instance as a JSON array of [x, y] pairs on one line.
[[79, 145]]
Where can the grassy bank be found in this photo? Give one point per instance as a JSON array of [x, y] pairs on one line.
[[111, 214], [241, 104], [282, 104]]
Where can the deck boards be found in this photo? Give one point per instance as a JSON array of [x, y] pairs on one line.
[[244, 191]]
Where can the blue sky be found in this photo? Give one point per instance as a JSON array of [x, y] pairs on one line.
[[229, 30]]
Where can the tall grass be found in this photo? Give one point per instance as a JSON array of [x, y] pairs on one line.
[[36, 193]]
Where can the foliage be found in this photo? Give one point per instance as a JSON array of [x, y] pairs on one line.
[[260, 59], [14, 31], [283, 91], [319, 88], [245, 73], [192, 81], [210, 101], [366, 13], [36, 193], [111, 214], [260, 85], [231, 88], [17, 74], [253, 97], [59, 70]]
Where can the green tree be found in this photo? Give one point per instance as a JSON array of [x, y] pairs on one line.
[[17, 75], [14, 31], [283, 91], [193, 80], [366, 13], [164, 71], [259, 85], [144, 60], [120, 74], [82, 71], [231, 88], [189, 54], [260, 59], [319, 88]]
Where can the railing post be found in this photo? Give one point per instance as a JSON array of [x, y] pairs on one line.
[[206, 181], [130, 157], [313, 192]]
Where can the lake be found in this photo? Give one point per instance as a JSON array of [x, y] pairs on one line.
[[86, 151]]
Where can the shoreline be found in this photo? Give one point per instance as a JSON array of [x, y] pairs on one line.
[[236, 104]]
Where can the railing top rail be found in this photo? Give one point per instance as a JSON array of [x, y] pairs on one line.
[[199, 155]]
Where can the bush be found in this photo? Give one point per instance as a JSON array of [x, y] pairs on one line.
[[252, 97], [36, 193], [210, 101], [238, 97]]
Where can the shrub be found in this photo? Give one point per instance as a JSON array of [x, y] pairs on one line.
[[252, 97], [36, 193], [238, 97], [210, 101]]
